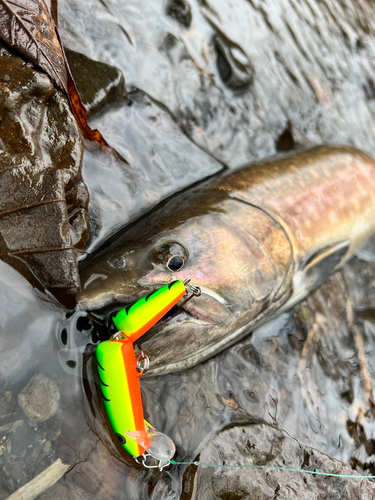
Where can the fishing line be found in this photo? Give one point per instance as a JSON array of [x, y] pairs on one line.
[[271, 467]]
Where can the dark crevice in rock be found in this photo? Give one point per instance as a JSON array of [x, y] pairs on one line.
[[188, 481], [285, 141]]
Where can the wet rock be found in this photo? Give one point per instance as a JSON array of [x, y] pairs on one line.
[[39, 400], [285, 142], [42, 196], [100, 85], [265, 446]]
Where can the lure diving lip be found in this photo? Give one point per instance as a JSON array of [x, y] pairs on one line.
[[119, 374]]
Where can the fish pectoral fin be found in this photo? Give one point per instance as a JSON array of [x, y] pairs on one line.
[[315, 269], [327, 258], [319, 265]]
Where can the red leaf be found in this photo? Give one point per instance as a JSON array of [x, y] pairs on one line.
[[79, 112]]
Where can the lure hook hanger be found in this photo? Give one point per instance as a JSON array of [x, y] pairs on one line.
[[194, 288], [143, 361]]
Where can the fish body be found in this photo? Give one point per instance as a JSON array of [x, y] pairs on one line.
[[256, 241]]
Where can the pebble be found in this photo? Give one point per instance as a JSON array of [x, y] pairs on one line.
[[39, 400]]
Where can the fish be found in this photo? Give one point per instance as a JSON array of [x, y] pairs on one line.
[[256, 241]]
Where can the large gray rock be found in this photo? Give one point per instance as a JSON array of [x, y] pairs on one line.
[[39, 399], [238, 76], [162, 160]]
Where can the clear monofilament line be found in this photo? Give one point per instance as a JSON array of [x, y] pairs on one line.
[[272, 467]]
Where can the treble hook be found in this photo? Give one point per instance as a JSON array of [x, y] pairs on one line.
[[142, 460]]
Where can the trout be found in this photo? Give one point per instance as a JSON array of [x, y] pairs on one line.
[[256, 241]]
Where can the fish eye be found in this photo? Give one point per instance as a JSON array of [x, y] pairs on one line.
[[172, 254], [175, 263], [117, 262]]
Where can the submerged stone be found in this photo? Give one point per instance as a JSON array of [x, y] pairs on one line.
[[100, 85], [180, 11], [39, 400], [233, 65]]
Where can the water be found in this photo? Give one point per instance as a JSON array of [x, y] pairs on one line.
[[307, 384], [211, 93]]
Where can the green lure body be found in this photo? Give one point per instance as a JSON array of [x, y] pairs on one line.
[[117, 367], [121, 393], [136, 319]]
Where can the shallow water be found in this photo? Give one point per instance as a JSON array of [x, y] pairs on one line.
[[307, 384], [301, 372], [239, 83]]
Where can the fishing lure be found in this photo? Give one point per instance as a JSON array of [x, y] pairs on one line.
[[119, 373], [136, 319]]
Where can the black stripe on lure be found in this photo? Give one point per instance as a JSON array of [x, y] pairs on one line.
[[136, 319]]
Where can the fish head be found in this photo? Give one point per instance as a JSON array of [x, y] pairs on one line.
[[207, 238]]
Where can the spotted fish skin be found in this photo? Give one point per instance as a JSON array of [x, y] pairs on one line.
[[256, 241]]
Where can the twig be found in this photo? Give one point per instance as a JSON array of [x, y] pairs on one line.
[[312, 336], [41, 483], [362, 359]]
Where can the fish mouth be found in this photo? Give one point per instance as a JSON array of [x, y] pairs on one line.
[[185, 311], [175, 317], [207, 310]]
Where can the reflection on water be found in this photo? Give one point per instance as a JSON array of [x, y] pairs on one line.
[[161, 159], [299, 373], [238, 94], [236, 79]]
